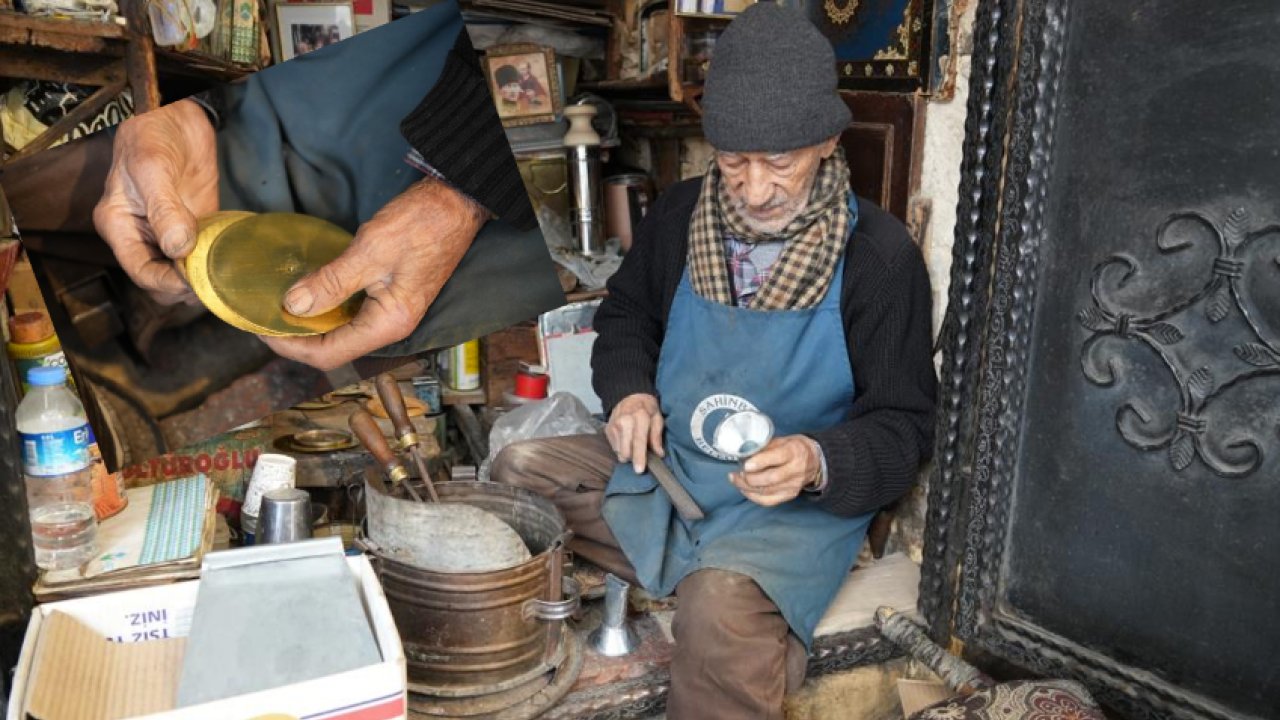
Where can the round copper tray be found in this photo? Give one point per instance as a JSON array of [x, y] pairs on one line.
[[531, 698]]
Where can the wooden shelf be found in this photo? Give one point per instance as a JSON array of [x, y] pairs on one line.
[[672, 81], [203, 65], [106, 54], [111, 56], [718, 18], [684, 92], [450, 397], [654, 83], [60, 34]]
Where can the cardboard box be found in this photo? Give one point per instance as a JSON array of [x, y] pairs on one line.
[[142, 676]]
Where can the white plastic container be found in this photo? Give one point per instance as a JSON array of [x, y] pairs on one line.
[[55, 438]]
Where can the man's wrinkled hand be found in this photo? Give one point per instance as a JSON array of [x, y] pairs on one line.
[[635, 426], [164, 175], [401, 259], [780, 471]]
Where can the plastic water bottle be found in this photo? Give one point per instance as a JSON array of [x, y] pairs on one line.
[[55, 438]]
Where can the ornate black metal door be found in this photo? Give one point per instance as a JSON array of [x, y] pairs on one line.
[[1107, 499]]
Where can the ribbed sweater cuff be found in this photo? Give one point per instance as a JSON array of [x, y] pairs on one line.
[[457, 130], [623, 381]]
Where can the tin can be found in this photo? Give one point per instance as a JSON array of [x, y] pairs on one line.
[[427, 389], [531, 385], [34, 344], [462, 366]]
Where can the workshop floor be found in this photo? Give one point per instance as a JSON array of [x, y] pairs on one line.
[[612, 686]]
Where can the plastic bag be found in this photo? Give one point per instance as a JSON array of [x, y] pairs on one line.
[[592, 272], [559, 415], [181, 23]]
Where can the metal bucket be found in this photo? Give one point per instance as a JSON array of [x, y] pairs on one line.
[[468, 634]]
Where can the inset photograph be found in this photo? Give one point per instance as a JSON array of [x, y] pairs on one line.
[[264, 241]]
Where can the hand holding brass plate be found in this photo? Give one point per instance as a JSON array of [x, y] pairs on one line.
[[244, 263]]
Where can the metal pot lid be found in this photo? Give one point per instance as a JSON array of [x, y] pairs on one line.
[[243, 264]]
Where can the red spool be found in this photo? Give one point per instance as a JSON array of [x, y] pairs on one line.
[[531, 385]]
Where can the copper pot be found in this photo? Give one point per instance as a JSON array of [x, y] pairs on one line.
[[468, 634]]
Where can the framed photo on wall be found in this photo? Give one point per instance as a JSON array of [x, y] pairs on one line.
[[303, 27], [525, 83]]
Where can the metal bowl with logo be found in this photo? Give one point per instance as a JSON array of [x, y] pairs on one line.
[[743, 434]]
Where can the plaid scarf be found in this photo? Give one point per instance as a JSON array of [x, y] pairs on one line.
[[814, 241]]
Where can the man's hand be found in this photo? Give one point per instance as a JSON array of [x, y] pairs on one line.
[[780, 471], [401, 258], [635, 425], [164, 175]]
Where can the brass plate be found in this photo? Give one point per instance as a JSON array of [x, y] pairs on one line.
[[323, 439], [316, 441], [243, 264]]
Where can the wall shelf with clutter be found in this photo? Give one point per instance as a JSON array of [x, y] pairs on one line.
[[94, 56], [693, 28]]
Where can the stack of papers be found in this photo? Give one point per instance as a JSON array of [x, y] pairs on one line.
[[160, 537]]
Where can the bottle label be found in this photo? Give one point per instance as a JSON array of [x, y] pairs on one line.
[[55, 453], [54, 359]]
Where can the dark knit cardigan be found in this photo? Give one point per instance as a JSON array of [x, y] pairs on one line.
[[457, 130], [874, 455]]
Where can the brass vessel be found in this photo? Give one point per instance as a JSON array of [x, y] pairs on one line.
[[244, 263]]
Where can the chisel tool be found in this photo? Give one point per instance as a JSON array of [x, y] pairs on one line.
[[393, 401], [370, 435]]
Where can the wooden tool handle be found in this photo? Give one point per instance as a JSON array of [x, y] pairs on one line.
[[393, 402], [681, 500], [366, 430]]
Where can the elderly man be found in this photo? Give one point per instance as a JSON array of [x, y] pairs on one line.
[[764, 285]]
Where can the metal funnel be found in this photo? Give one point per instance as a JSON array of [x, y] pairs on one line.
[[614, 637]]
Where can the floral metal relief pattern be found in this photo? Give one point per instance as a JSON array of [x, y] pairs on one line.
[[1240, 349]]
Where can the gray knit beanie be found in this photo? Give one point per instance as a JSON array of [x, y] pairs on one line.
[[771, 86]]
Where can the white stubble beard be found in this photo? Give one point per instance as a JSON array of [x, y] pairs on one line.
[[762, 227]]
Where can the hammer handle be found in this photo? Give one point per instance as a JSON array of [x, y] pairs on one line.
[[681, 500], [371, 437], [393, 401]]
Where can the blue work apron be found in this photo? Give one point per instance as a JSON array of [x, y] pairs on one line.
[[792, 365]]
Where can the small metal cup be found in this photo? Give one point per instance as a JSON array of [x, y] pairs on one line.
[[285, 516]]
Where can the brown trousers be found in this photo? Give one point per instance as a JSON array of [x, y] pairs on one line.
[[735, 657]]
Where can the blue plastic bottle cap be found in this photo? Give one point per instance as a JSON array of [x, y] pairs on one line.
[[47, 375]]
